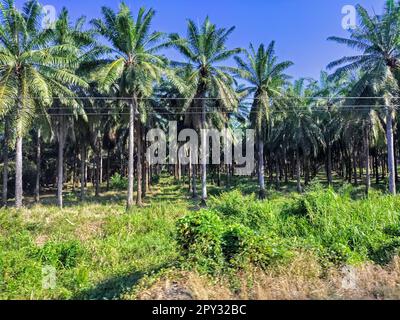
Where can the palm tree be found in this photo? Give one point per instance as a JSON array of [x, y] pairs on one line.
[[205, 50], [377, 38], [84, 48], [32, 70], [134, 68], [299, 127], [266, 77], [364, 119], [329, 95]]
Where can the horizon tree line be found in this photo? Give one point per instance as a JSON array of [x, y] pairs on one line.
[[88, 89]]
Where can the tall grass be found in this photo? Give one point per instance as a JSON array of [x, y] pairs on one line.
[[100, 251], [240, 230]]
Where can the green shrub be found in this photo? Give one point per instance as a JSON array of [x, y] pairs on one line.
[[118, 182], [228, 236], [237, 208], [199, 236], [340, 230], [242, 248]]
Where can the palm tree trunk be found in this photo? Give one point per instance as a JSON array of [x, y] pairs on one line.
[[38, 166], [366, 156], [355, 166], [203, 162], [148, 182], [145, 178], [129, 202], [203, 167], [194, 184], [390, 148], [144, 165], [307, 170], [261, 169], [179, 170], [18, 173], [219, 175], [190, 174], [228, 176], [98, 167], [376, 168], [139, 165], [83, 171], [278, 174], [101, 167], [5, 162], [18, 160], [108, 170], [329, 163], [204, 184], [298, 172], [60, 170], [74, 171], [285, 168]]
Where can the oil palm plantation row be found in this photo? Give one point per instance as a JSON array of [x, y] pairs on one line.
[[89, 88]]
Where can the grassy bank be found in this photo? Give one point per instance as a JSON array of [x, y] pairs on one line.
[[173, 249]]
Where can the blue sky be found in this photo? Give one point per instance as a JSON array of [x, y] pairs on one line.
[[299, 27]]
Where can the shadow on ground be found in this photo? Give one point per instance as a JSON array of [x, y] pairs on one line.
[[111, 288]]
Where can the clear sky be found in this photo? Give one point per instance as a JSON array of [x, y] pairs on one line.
[[299, 27]]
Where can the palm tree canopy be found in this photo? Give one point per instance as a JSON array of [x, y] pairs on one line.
[[204, 49], [135, 64], [266, 77], [299, 126], [32, 69], [377, 38]]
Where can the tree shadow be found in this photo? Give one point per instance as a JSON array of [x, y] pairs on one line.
[[385, 253], [111, 288]]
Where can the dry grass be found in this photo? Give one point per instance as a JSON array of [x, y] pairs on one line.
[[302, 279]]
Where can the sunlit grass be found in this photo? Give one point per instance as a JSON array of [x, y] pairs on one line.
[[101, 251]]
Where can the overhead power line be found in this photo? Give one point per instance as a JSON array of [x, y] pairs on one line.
[[203, 98]]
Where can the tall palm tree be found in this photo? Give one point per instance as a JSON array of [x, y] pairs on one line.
[[377, 38], [266, 77], [133, 69], [205, 49], [84, 50], [32, 71]]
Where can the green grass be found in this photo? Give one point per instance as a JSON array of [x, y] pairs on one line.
[[101, 252]]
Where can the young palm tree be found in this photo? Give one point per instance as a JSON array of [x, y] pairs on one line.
[[266, 77], [205, 50], [377, 38], [134, 68], [32, 71]]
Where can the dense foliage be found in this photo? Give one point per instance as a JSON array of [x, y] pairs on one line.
[[86, 107], [77, 100], [100, 252]]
